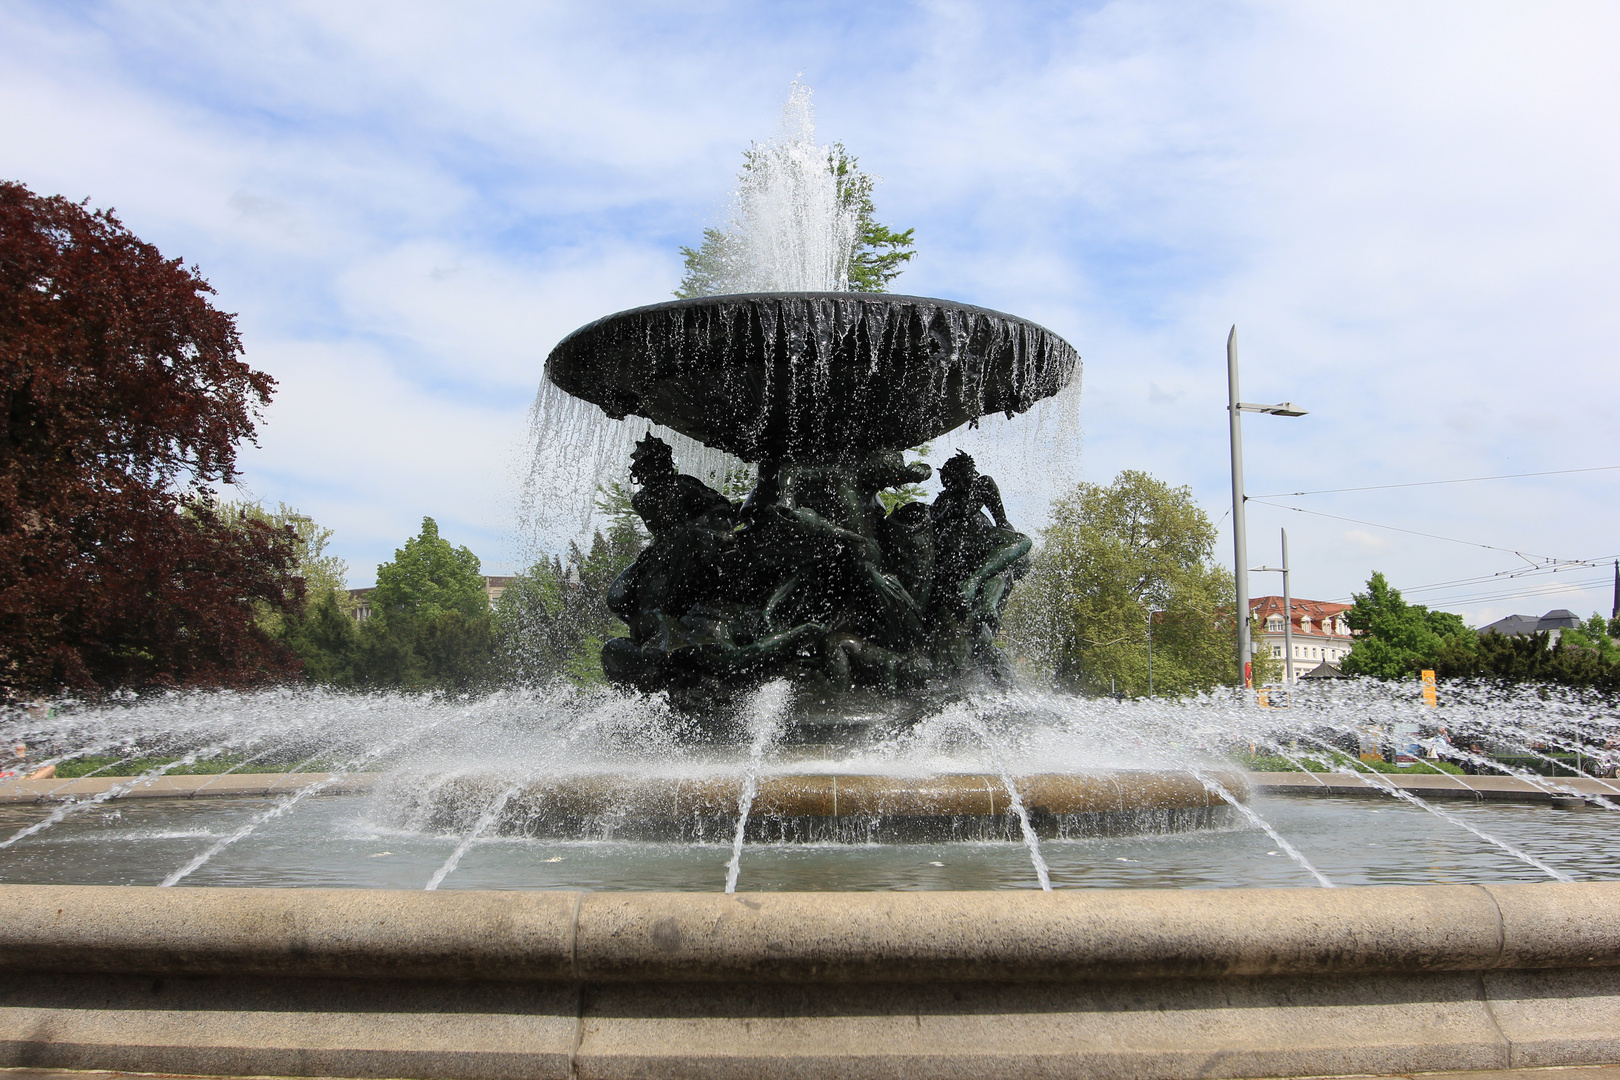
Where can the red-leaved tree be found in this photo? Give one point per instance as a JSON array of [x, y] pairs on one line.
[[122, 399]]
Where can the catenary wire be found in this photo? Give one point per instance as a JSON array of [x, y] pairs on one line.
[[1434, 483], [1411, 532]]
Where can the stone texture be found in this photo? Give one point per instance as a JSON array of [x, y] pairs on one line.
[[180, 787], [298, 1027], [1125, 933], [806, 376], [306, 932], [1562, 925], [1151, 1029], [1432, 786], [1557, 1017], [1163, 984]]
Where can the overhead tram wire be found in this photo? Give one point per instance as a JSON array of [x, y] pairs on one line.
[[1435, 483], [1504, 576], [1573, 588], [1546, 560], [1546, 564], [1551, 589]]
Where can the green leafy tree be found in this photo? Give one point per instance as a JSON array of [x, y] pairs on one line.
[[1113, 558], [428, 576], [1593, 636], [553, 621], [894, 498], [877, 256], [431, 627], [324, 574], [326, 638], [1398, 640]]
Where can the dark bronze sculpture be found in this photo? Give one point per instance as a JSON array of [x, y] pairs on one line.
[[810, 577]]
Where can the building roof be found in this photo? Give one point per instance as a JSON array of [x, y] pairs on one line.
[[1318, 611], [1514, 625]]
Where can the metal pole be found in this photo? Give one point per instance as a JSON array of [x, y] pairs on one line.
[[1240, 532], [1150, 654], [1288, 618]]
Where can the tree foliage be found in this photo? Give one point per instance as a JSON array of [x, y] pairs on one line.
[[323, 574], [552, 621], [429, 577], [1397, 640], [431, 626], [877, 257], [124, 398], [1113, 558]]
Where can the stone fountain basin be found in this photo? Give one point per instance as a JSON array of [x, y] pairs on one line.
[[810, 376], [829, 807], [1151, 984]]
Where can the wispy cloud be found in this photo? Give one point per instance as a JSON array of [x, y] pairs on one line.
[[1407, 210]]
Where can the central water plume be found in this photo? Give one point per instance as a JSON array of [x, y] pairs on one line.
[[794, 218]]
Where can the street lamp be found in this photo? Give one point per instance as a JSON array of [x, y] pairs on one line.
[[1240, 527], [1152, 611], [1288, 611]]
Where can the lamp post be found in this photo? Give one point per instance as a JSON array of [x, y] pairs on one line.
[[1152, 611], [1240, 528], [1288, 611]]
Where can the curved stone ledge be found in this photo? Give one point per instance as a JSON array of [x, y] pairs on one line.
[[1148, 985], [826, 937]]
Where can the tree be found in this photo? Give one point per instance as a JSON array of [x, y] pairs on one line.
[[431, 626], [124, 398], [877, 255], [324, 575], [1398, 640], [552, 621], [1113, 558], [428, 577], [327, 640], [1593, 636]]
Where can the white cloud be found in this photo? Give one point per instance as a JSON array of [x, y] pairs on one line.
[[1407, 210]]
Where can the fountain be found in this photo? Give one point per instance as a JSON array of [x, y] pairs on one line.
[[815, 826]]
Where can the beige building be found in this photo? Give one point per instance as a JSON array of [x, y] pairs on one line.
[[1321, 633]]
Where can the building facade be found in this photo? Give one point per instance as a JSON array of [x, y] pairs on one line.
[[1321, 634]]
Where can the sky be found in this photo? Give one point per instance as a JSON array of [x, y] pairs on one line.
[[1408, 211]]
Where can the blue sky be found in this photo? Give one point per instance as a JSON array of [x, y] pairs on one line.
[[1409, 211]]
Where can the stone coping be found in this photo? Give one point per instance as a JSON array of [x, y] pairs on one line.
[[1481, 788], [1555, 1072], [1437, 786], [179, 787], [813, 795], [809, 937], [1139, 984]]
